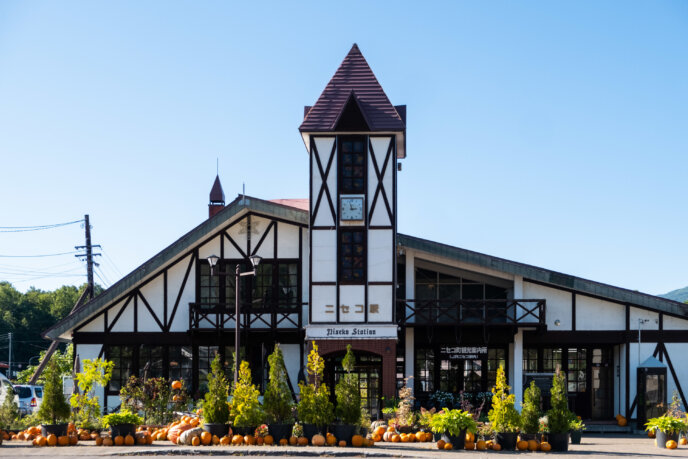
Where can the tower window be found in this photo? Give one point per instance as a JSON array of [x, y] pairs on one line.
[[352, 167], [352, 255]]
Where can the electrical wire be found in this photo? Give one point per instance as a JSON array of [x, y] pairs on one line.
[[20, 229], [111, 262], [39, 256]]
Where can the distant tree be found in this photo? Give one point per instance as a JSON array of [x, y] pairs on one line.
[[9, 411], [64, 362]]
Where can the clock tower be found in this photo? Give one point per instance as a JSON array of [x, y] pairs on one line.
[[354, 137]]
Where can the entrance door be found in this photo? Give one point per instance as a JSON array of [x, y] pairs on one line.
[[368, 370], [602, 385]]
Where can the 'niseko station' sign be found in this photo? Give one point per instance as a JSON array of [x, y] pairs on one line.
[[463, 352], [362, 331]]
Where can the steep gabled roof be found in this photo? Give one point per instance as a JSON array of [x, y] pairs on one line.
[[353, 79], [177, 249], [546, 276]]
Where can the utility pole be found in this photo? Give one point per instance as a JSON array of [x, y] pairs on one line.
[[88, 256]]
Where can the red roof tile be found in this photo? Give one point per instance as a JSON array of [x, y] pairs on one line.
[[296, 203], [353, 78]]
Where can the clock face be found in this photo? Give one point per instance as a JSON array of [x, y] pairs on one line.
[[351, 208]]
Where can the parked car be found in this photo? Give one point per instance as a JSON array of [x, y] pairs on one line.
[[29, 398], [4, 384]]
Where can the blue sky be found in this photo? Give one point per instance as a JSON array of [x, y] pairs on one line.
[[551, 133]]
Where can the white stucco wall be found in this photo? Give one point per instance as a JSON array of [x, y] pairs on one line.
[[558, 304], [594, 314]]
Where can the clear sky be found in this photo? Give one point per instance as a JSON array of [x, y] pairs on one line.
[[550, 133]]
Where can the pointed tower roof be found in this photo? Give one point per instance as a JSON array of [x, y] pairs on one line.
[[216, 193], [355, 82]]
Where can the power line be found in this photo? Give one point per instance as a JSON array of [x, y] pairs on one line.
[[38, 256], [19, 229]]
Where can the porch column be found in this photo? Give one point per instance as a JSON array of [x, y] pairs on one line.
[[409, 354], [516, 367]]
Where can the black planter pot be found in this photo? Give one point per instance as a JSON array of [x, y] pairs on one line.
[[243, 431], [312, 429], [344, 432], [576, 436], [559, 441], [216, 428], [507, 440], [123, 430], [280, 431], [59, 430], [661, 438], [457, 441]]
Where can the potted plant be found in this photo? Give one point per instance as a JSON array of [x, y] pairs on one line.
[[348, 399], [245, 411], [530, 412], [277, 400], [215, 408], [453, 425], [54, 409], [559, 416], [84, 402], [123, 423], [314, 408], [504, 418], [576, 427], [666, 428]]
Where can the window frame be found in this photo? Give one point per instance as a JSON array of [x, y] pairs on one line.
[[340, 257]]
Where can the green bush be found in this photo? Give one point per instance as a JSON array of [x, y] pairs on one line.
[[277, 400], [215, 408], [54, 408], [347, 393], [245, 409], [85, 403], [9, 411], [452, 422], [503, 415], [123, 417], [559, 416], [314, 405], [530, 409]]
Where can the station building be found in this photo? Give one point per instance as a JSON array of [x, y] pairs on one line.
[[335, 271]]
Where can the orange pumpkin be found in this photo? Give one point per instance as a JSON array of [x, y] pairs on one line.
[[259, 441], [496, 447], [683, 441], [420, 436], [62, 440], [119, 440], [73, 440], [249, 439], [481, 445], [396, 438], [448, 446], [357, 441], [129, 440], [651, 433], [469, 445], [331, 440], [237, 440], [302, 441], [440, 444], [387, 436], [318, 440], [99, 441], [206, 438], [470, 437], [269, 440], [522, 445], [533, 445], [283, 442], [176, 385], [671, 444], [380, 430], [224, 441], [342, 442], [544, 446], [107, 441], [195, 441], [215, 440], [293, 441]]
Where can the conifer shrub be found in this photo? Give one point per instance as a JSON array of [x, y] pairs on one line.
[[314, 405], [54, 408], [559, 416], [245, 409], [9, 411], [503, 416], [277, 400], [347, 392], [530, 409], [215, 408]]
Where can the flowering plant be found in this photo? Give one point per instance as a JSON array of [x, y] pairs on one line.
[[261, 431], [297, 430], [543, 423], [576, 424]]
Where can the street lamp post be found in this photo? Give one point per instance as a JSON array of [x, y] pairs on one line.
[[255, 261]]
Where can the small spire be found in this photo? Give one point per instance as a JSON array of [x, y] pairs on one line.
[[217, 195]]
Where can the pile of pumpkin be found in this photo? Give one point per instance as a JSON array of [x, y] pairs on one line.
[[471, 444], [390, 434], [34, 435]]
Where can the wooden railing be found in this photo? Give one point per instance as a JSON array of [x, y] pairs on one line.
[[471, 312], [220, 316]]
